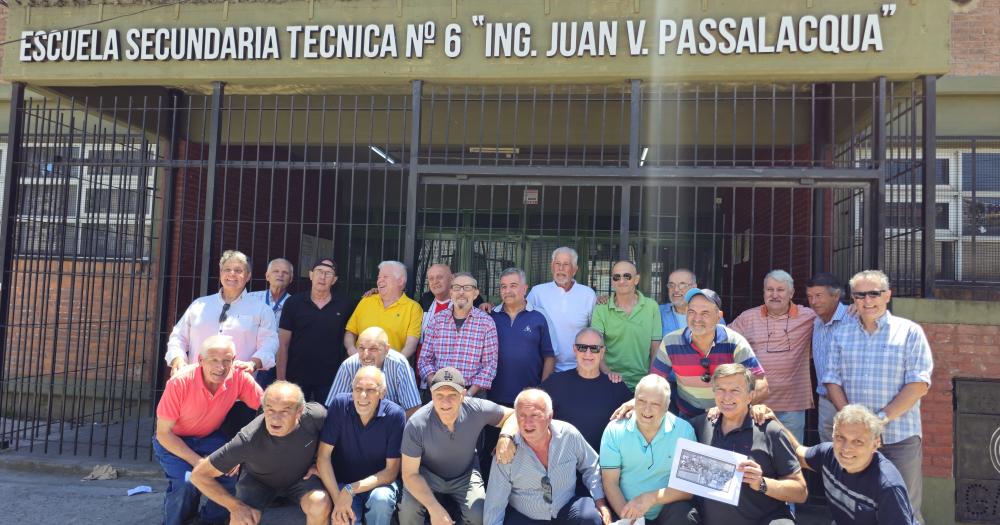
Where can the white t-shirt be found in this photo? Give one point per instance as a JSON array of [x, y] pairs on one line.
[[567, 313]]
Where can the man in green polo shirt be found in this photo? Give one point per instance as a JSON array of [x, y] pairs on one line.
[[631, 325]]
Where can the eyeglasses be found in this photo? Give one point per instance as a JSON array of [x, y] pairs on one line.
[[324, 273], [871, 293], [678, 286], [594, 349], [775, 334], [706, 363], [619, 276], [546, 490], [223, 316], [463, 287]]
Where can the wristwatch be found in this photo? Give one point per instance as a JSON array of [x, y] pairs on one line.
[[508, 436], [763, 485], [881, 415], [349, 489]]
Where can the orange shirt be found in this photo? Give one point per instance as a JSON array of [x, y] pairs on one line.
[[198, 412]]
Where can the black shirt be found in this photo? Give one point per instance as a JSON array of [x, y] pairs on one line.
[[587, 404], [317, 345], [769, 447]]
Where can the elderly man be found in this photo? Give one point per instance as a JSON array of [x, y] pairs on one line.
[[630, 322], [771, 473], [439, 452], [390, 309], [823, 292], [280, 273], [274, 453], [862, 486], [636, 487], [311, 333], [586, 382], [462, 337], [781, 334], [688, 357], [884, 363], [359, 454], [438, 295], [539, 484], [249, 322], [673, 315], [565, 303], [194, 404], [373, 350]]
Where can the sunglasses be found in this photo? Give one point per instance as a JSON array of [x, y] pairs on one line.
[[619, 276], [871, 293], [594, 349], [546, 490], [223, 316], [706, 363]]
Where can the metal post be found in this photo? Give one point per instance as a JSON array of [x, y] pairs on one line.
[[8, 223], [215, 128], [413, 179], [635, 120], [875, 236], [929, 193]]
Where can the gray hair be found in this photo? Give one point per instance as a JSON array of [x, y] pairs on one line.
[[300, 398], [465, 274], [694, 278], [235, 255], [217, 342], [397, 266], [870, 275], [782, 277], [291, 267], [589, 330], [568, 251], [733, 369], [535, 392], [515, 271], [372, 371], [655, 382], [859, 414]]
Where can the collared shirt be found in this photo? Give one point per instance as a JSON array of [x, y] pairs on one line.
[[276, 306], [431, 306], [628, 336], [471, 349], [567, 312], [672, 320], [316, 345], [524, 343], [361, 450], [401, 388], [400, 320], [822, 332], [782, 345], [446, 453], [519, 484], [249, 322], [643, 465], [873, 368], [680, 362], [197, 412]]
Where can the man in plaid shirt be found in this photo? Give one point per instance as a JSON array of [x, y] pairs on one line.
[[462, 337]]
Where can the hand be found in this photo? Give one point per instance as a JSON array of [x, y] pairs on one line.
[[176, 365], [605, 513], [370, 292], [713, 414], [624, 411], [615, 377], [602, 299], [247, 366], [752, 473], [234, 472], [505, 450], [313, 471], [343, 509], [852, 310], [440, 516], [638, 507], [762, 414], [486, 306], [244, 515]]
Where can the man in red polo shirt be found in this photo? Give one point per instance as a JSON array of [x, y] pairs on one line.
[[193, 407]]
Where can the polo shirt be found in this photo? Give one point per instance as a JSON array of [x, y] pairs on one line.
[[360, 450], [644, 465], [628, 336], [680, 362], [875, 495], [822, 335], [248, 321], [445, 453], [782, 345], [316, 348], [524, 343], [277, 462], [195, 411], [769, 447], [400, 385], [567, 312], [400, 320], [587, 404]]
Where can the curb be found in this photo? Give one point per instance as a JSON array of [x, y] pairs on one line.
[[76, 466]]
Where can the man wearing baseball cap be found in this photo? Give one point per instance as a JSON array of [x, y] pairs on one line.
[[439, 452]]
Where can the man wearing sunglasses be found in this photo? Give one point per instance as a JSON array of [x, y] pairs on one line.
[[884, 363]]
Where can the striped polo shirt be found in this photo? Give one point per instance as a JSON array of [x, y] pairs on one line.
[[679, 362]]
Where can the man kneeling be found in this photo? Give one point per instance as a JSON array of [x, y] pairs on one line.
[[275, 451]]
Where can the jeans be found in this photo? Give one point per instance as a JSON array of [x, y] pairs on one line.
[[182, 497], [826, 413], [376, 506], [266, 377], [795, 421], [467, 491], [577, 511]]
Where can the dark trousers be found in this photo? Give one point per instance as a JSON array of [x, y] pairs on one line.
[[578, 511]]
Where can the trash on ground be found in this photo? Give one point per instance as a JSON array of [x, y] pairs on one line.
[[102, 472], [141, 489]]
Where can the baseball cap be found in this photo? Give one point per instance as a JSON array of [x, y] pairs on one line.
[[448, 376], [706, 293]]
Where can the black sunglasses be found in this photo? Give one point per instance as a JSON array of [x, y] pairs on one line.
[[223, 316], [594, 349], [871, 293], [705, 363], [546, 490], [619, 276]]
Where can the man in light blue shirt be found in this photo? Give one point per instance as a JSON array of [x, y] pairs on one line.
[[673, 314], [823, 292], [636, 456], [373, 350]]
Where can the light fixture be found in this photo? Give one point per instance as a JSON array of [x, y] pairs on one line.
[[642, 159], [381, 153]]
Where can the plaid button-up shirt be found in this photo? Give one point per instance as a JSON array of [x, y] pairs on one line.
[[873, 368], [472, 350]]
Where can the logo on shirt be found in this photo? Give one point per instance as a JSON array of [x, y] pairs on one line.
[[527, 330], [309, 443]]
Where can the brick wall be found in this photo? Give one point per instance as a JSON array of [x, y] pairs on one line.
[[975, 38]]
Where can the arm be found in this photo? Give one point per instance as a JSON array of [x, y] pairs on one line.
[[349, 339], [204, 476], [905, 399], [410, 346], [837, 395], [267, 340], [284, 338], [175, 445], [342, 500], [654, 347], [612, 492], [790, 488], [831, 377], [483, 379], [760, 390], [419, 489], [548, 366], [428, 351], [179, 343], [800, 451]]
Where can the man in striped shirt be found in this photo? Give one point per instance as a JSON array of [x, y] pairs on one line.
[[373, 350]]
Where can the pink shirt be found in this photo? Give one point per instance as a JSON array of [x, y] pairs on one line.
[[198, 412], [783, 345]]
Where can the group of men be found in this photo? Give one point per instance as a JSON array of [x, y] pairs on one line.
[[394, 405]]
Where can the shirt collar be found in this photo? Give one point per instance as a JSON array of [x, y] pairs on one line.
[[880, 323], [747, 423], [638, 304], [499, 308], [241, 296], [720, 335], [793, 311]]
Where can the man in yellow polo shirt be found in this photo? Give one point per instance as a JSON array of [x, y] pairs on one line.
[[389, 309]]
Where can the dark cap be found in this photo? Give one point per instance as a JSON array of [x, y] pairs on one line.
[[824, 279], [706, 293], [327, 262], [448, 377]]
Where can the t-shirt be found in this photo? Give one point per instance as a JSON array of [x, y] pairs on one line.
[[769, 447], [316, 348], [360, 450], [196, 412], [875, 495], [628, 336], [277, 462], [587, 404], [524, 343], [449, 454], [567, 314], [400, 320]]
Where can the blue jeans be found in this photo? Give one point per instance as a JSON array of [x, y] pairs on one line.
[[266, 377], [794, 421], [577, 511], [376, 506], [182, 497]]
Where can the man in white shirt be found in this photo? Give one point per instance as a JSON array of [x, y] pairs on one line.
[[566, 304]]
